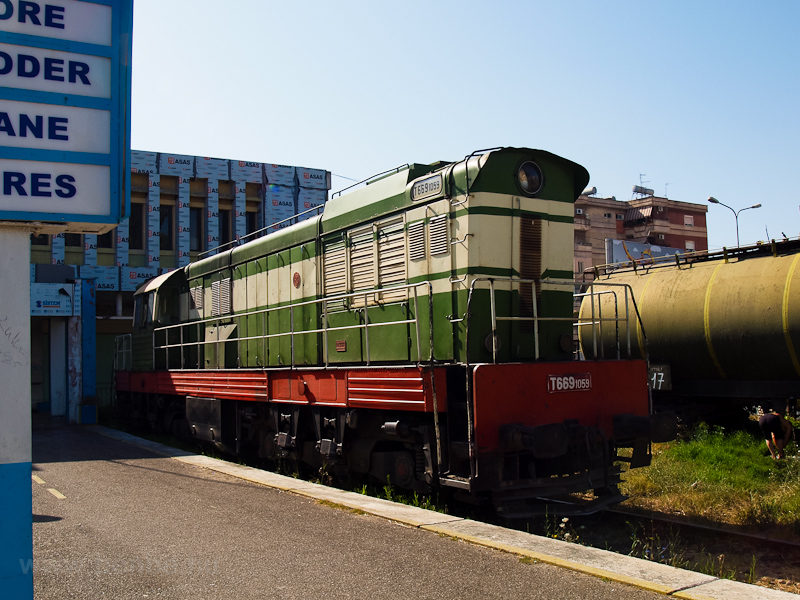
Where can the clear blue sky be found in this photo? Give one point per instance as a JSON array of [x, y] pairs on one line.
[[702, 97]]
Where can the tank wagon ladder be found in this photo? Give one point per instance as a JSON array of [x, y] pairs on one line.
[[597, 319]]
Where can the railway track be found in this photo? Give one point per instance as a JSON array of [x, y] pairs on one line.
[[770, 558]]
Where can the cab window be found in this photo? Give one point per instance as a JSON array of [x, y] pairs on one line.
[[143, 310]]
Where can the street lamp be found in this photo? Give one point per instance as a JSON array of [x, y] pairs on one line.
[[713, 200]]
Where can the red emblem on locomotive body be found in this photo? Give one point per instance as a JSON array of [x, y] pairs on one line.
[[296, 279]]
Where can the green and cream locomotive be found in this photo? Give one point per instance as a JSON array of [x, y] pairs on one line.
[[420, 328]]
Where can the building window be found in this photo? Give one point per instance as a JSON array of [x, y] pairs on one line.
[[690, 245], [620, 217], [580, 266], [578, 211], [688, 221], [167, 227], [41, 239], [136, 237], [74, 240], [225, 234], [196, 236], [607, 215], [252, 222], [106, 240]]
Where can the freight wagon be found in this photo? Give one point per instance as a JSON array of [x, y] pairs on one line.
[[722, 328]]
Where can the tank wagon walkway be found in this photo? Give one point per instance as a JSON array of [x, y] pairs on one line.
[[117, 516]]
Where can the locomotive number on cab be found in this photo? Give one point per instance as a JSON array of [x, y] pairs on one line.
[[576, 382], [427, 188]]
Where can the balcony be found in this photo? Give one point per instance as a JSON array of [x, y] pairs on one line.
[[582, 223]]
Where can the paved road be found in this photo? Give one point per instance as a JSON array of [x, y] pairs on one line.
[[132, 524]]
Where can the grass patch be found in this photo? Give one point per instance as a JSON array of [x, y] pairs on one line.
[[726, 477], [329, 504]]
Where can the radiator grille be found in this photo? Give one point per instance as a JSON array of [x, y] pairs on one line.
[[335, 271], [440, 242], [197, 297], [416, 241], [392, 259], [221, 297], [530, 252]]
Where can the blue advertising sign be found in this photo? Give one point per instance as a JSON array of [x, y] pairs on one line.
[[65, 85], [621, 251]]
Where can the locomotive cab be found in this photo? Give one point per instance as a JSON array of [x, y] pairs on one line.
[[159, 304]]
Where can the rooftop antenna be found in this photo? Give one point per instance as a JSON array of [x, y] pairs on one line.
[[666, 185]]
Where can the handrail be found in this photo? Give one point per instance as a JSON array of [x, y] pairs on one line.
[[690, 257], [397, 169], [255, 234], [476, 153], [535, 318], [325, 329]]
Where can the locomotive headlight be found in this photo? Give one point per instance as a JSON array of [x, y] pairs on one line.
[[529, 178]]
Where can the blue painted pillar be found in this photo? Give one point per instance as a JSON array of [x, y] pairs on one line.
[[16, 527]]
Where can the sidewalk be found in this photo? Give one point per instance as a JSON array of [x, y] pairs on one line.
[[647, 575]]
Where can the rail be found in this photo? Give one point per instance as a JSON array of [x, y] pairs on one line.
[[175, 336]]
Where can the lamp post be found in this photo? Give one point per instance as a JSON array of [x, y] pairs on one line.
[[713, 200]]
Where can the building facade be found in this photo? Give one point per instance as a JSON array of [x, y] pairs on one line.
[[183, 208], [648, 220]]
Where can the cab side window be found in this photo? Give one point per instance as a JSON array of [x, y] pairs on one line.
[[143, 311]]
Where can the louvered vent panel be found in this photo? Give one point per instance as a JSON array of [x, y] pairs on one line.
[[362, 264], [440, 241], [530, 252], [215, 299], [392, 259], [197, 297], [225, 297], [335, 267], [416, 241]]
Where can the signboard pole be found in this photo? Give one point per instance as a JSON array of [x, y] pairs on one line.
[[16, 524]]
